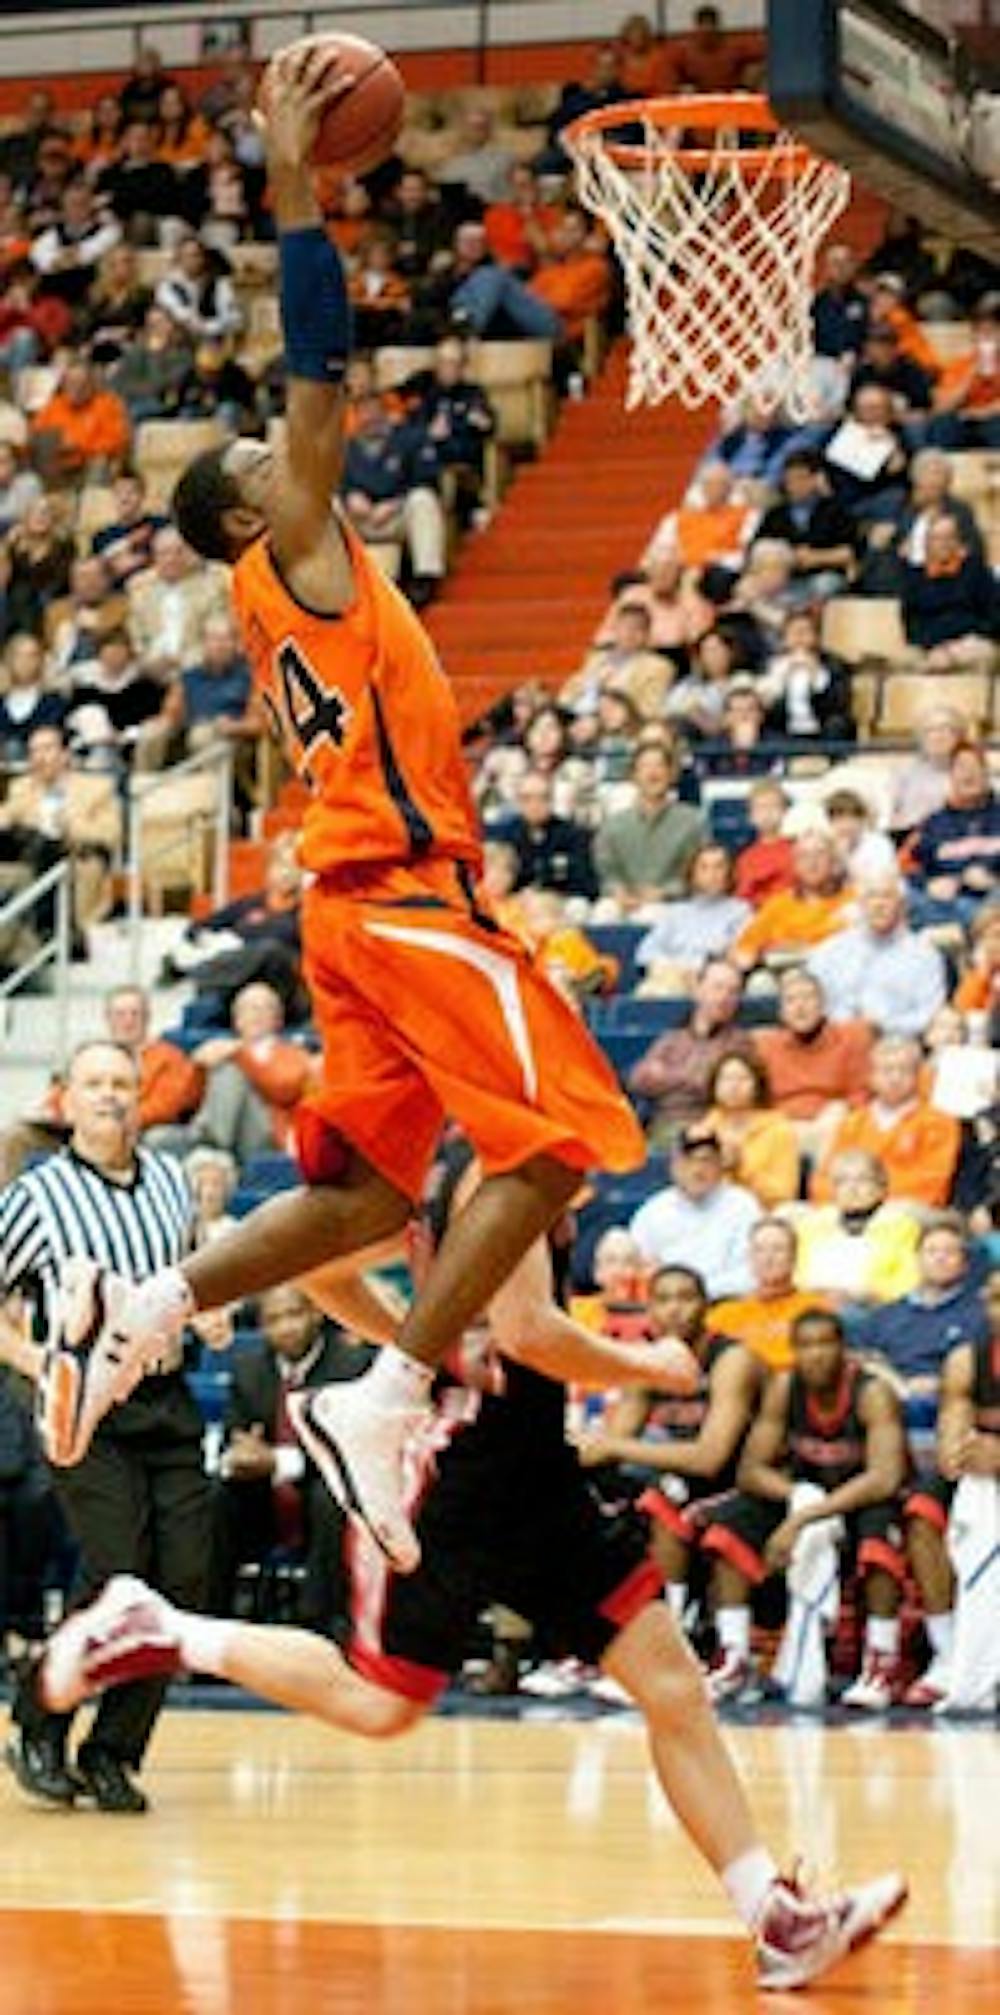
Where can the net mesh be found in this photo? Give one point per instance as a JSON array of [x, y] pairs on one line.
[[718, 249]]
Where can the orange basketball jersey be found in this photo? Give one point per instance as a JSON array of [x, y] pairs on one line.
[[366, 714]]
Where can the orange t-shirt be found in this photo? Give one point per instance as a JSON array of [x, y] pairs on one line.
[[507, 237], [705, 535], [764, 1325], [366, 714], [576, 288], [920, 1153], [98, 429], [789, 919]]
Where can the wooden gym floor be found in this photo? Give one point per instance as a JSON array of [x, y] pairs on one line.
[[484, 1867]]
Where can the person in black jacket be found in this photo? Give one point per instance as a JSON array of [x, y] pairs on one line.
[[140, 189], [268, 1494], [820, 532], [951, 605], [453, 418], [27, 1516], [552, 853]]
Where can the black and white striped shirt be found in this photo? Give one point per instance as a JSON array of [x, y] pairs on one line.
[[65, 1208]]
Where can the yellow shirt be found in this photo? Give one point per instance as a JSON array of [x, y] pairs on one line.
[[876, 1264]]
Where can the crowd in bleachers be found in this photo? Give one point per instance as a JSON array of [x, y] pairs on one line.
[[755, 834]]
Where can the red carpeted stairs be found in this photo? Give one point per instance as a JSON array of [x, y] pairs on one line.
[[525, 595]]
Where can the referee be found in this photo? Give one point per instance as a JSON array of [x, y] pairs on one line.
[[139, 1501]]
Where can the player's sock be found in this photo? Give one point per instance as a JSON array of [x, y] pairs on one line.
[[941, 1633], [747, 1880], [676, 1593], [203, 1640], [733, 1630], [396, 1380], [882, 1635]]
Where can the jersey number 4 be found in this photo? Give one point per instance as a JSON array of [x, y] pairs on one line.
[[314, 713]]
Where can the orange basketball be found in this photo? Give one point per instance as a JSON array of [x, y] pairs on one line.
[[361, 128]]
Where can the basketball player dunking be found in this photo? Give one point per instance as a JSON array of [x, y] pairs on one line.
[[427, 1009]]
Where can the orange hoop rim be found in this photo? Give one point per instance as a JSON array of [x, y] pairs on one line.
[[742, 111]]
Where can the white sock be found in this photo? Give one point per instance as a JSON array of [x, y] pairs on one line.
[[161, 1306], [397, 1380], [204, 1641], [733, 1629], [882, 1635], [747, 1880], [676, 1593], [941, 1633]]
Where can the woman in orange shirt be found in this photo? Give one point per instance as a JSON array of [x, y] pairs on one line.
[[759, 1145], [97, 141], [642, 59], [182, 137]]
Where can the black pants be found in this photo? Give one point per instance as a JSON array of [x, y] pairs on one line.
[[27, 1534], [244, 1530], [139, 1504]]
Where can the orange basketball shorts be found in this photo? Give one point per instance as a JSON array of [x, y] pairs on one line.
[[428, 1011]]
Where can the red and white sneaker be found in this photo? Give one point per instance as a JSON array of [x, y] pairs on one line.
[[800, 1937], [90, 1362], [731, 1676], [129, 1632], [933, 1685], [876, 1687], [358, 1448]]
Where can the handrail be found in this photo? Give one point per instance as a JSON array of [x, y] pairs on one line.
[[55, 948], [142, 786]]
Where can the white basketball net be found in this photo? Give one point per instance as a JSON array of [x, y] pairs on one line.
[[719, 258]]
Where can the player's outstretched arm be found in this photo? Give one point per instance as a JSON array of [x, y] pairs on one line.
[[296, 91]]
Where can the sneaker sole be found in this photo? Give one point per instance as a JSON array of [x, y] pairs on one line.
[[60, 1396], [143, 1655], [336, 1473]]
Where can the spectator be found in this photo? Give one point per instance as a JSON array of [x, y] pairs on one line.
[[979, 986], [255, 937], [83, 430], [220, 195], [967, 399], [212, 700], [762, 1319], [268, 1492], [684, 1450], [181, 134], [28, 701], [97, 139], [698, 699], [620, 1305], [765, 594], [866, 854], [739, 748], [419, 223], [710, 527], [55, 169], [94, 608], [916, 1145], [710, 61], [169, 604], [641, 57], [877, 970], [865, 459], [68, 253], [547, 748], [832, 1426], [932, 477], [55, 812], [817, 1067], [753, 445], [602, 87], [521, 229], [627, 663], [478, 165], [914, 1334], [19, 487], [608, 737], [883, 362], [700, 1220], [700, 927], [116, 708], [860, 1247], [676, 1070], [198, 295], [212, 1178], [388, 488], [922, 787], [142, 190], [821, 534], [151, 376], [142, 92], [19, 146], [641, 855], [41, 557], [793, 921], [956, 851], [951, 604], [116, 305], [472, 291], [807, 694], [125, 546], [766, 865], [379, 294], [574, 279], [840, 310], [759, 1147], [679, 614], [552, 853], [255, 1080], [455, 419], [32, 323]]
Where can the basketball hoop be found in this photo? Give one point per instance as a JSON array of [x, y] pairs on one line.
[[716, 214]]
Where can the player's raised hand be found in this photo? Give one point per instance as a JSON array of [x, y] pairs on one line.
[[297, 88]]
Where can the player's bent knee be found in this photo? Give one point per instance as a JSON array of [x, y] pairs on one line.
[[381, 1716]]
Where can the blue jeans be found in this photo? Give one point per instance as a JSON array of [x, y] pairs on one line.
[[492, 290]]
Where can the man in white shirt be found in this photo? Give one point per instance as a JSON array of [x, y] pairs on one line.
[[700, 1219], [880, 971]]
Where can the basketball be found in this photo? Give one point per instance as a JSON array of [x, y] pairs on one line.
[[360, 129]]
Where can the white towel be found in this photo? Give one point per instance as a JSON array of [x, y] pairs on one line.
[[813, 1604], [974, 1545]]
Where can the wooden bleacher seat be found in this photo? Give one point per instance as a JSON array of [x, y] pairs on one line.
[[163, 449], [976, 475], [905, 696], [518, 379], [395, 362], [152, 265], [864, 629]]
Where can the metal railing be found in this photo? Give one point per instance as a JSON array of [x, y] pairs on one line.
[[54, 949], [140, 857]]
